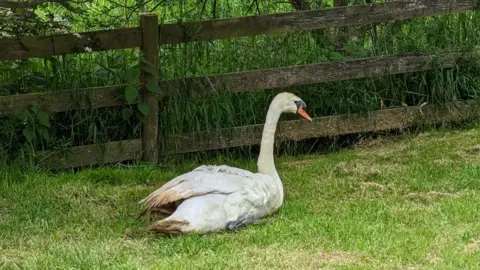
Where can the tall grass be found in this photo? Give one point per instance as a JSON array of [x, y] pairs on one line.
[[180, 113]]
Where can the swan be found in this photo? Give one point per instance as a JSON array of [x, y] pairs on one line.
[[214, 198]]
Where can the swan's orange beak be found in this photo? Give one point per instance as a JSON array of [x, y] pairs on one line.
[[303, 113]]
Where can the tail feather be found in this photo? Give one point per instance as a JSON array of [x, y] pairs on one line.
[[165, 210], [173, 227]]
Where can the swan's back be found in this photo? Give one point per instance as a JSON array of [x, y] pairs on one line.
[[219, 192]]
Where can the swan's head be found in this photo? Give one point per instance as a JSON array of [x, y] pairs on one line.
[[290, 103]]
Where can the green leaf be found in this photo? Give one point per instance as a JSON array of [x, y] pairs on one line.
[[127, 113], [43, 118], [28, 133], [352, 47], [132, 75], [145, 61], [44, 133], [143, 108], [34, 107], [140, 117], [336, 56], [131, 94], [153, 87], [149, 70], [362, 53], [23, 115]]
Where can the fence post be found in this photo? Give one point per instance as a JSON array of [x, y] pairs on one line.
[[342, 32], [149, 75]]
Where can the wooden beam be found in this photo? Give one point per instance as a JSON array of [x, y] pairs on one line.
[[45, 46], [309, 20], [241, 81], [58, 101], [315, 73], [342, 32], [149, 77], [381, 120], [87, 155], [33, 4]]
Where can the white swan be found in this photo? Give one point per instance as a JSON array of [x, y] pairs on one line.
[[214, 198]]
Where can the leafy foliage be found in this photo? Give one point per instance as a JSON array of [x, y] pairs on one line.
[[131, 94]]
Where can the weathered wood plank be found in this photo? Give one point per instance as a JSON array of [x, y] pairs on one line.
[[57, 101], [315, 73], [309, 20], [45, 46], [87, 155], [382, 120], [241, 81], [149, 24]]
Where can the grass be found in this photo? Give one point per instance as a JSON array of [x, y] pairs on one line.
[[404, 203]]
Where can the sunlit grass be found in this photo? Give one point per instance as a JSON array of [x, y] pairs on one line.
[[411, 202]]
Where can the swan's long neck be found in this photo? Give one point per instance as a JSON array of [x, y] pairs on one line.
[[266, 164]]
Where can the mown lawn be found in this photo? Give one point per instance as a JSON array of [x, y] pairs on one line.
[[408, 203]]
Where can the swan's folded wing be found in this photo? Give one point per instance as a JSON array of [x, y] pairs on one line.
[[201, 181]]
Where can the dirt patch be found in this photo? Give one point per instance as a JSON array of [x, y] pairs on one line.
[[411, 267], [426, 197], [369, 143], [337, 258], [432, 258], [474, 150], [299, 163], [15, 258], [372, 189], [364, 171], [471, 155], [384, 149], [364, 177], [296, 258], [356, 169], [473, 245], [443, 162]]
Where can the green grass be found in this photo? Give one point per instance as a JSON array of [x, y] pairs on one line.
[[402, 203]]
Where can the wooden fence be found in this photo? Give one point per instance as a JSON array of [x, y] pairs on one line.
[[149, 35]]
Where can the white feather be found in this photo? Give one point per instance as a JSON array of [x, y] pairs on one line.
[[212, 197]]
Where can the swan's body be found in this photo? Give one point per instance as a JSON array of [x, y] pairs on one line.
[[213, 198]]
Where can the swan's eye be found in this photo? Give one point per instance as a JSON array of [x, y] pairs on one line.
[[300, 109], [300, 104]]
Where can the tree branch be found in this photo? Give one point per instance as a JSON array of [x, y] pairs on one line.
[[34, 3]]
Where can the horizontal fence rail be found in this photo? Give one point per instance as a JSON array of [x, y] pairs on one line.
[[309, 20], [46, 46], [381, 120], [109, 96], [59, 101], [328, 126], [85, 155]]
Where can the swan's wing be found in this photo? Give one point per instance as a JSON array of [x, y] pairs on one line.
[[202, 180]]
